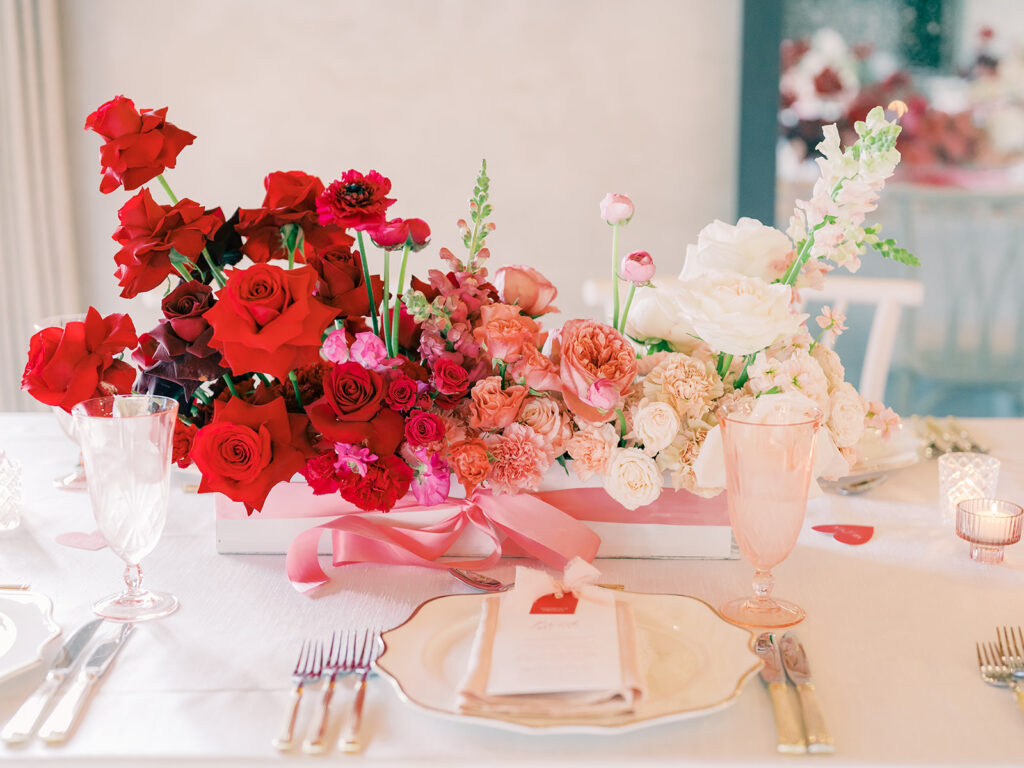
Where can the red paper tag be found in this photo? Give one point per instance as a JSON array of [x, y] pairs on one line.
[[848, 534], [566, 604]]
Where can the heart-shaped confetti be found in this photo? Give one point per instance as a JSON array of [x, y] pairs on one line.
[[848, 534], [91, 541]]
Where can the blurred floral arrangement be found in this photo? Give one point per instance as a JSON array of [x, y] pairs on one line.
[[288, 353]]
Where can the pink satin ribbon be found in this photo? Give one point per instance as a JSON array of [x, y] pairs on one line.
[[537, 528]]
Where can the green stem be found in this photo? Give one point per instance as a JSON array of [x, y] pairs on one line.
[[622, 423], [167, 189], [366, 280], [724, 362], [742, 378], [295, 386], [386, 316], [183, 271], [231, 384], [264, 378], [615, 275], [625, 309], [398, 305]]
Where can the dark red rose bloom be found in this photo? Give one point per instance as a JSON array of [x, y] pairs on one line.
[[321, 474], [400, 392], [267, 320], [74, 363], [288, 212], [355, 200], [165, 356], [450, 378], [385, 482], [351, 410], [247, 449], [184, 307], [424, 428], [423, 401], [413, 369], [342, 284], [139, 145], [392, 235], [149, 231], [409, 331], [184, 436]]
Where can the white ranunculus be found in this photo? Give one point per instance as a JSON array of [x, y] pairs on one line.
[[738, 315], [656, 426], [632, 478], [655, 314], [750, 248], [846, 418]]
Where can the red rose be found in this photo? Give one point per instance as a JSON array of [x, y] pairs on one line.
[[184, 307], [392, 235], [321, 474], [385, 482], [424, 429], [184, 436], [351, 411], [147, 234], [355, 200], [247, 449], [139, 146], [266, 319], [74, 363], [409, 331], [342, 284], [450, 378], [400, 392]]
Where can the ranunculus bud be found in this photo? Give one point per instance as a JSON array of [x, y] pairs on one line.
[[392, 235], [637, 267], [617, 209]]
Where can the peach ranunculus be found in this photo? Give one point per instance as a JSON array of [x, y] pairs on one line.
[[591, 448], [548, 418], [505, 332], [521, 459], [470, 463], [592, 352], [526, 288], [536, 371], [492, 407]]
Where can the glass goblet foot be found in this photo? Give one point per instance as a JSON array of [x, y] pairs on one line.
[[134, 603]]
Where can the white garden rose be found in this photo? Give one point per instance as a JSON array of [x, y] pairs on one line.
[[655, 314], [750, 248], [655, 425], [846, 419], [632, 478], [739, 315]]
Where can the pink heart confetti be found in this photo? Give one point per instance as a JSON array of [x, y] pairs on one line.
[[78, 540], [848, 534]]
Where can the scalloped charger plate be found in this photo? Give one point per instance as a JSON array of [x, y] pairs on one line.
[[26, 627], [696, 663]]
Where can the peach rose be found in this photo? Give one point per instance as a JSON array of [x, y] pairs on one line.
[[548, 419], [592, 351], [505, 332], [536, 371], [468, 460], [527, 288], [493, 407]]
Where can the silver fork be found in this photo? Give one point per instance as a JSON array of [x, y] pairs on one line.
[[1011, 648], [348, 741], [343, 660], [308, 668], [994, 672]]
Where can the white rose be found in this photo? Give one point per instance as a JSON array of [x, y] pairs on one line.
[[739, 315], [656, 426], [750, 248], [655, 314], [846, 419], [632, 478]]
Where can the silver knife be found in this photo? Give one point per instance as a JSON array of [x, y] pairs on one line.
[[62, 720], [795, 662], [20, 727], [789, 730]]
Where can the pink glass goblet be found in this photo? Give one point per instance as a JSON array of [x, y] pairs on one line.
[[768, 470]]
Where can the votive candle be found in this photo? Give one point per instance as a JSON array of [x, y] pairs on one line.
[[988, 525]]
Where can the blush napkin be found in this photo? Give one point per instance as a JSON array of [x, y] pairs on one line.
[[582, 669]]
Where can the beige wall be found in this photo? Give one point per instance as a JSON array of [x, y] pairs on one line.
[[567, 100]]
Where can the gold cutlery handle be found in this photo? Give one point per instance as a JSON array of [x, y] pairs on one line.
[[20, 727], [284, 739], [789, 730], [349, 740], [818, 737], [314, 743], [62, 720], [1019, 693]]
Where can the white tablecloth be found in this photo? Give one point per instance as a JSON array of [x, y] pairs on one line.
[[890, 633]]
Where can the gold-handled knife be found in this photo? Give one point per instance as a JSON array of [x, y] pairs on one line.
[[794, 659], [789, 730]]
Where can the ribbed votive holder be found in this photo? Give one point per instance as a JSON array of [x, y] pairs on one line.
[[988, 525]]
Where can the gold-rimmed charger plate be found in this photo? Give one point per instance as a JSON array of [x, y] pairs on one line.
[[696, 662]]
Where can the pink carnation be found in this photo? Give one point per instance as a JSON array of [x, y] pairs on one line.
[[521, 457]]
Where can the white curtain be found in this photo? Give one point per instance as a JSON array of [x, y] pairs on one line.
[[38, 266]]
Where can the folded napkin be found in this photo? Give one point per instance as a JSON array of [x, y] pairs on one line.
[[551, 664]]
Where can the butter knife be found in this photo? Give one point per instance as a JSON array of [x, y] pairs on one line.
[[20, 727], [789, 731], [794, 659], [64, 716]]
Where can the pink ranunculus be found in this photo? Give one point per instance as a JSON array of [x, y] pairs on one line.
[[617, 209], [392, 235], [491, 406], [637, 267], [603, 394], [527, 288], [505, 332], [368, 350], [335, 347], [591, 351]]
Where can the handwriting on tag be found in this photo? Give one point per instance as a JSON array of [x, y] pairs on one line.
[[550, 604]]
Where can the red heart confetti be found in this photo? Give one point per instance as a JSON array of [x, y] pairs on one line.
[[848, 534], [91, 541]]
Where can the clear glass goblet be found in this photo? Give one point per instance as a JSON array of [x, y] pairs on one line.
[[768, 470], [126, 442]]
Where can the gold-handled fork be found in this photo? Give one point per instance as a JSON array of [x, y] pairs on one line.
[[338, 654], [308, 668], [994, 672], [370, 649], [1011, 648]]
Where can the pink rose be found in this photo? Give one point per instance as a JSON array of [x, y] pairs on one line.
[[527, 288], [616, 209], [591, 351], [637, 267], [492, 407]]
